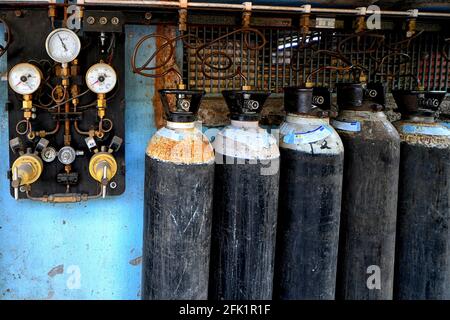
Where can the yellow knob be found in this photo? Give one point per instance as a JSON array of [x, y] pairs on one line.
[[29, 168], [99, 163]]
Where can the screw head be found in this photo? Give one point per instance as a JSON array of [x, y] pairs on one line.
[[22, 189], [115, 21], [148, 15], [103, 20], [113, 185], [90, 20]]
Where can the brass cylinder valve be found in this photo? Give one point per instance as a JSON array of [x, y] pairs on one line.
[[25, 170]]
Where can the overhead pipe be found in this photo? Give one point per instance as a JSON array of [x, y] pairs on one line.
[[264, 8], [232, 7]]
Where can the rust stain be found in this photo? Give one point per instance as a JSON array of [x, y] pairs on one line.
[[169, 81], [136, 261], [56, 270], [50, 295]]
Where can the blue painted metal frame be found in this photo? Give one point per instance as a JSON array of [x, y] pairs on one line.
[[88, 250]]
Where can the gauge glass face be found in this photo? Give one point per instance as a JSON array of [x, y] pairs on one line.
[[63, 45], [101, 78], [24, 78]]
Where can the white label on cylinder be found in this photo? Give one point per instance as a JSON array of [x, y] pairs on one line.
[[170, 134], [317, 134], [353, 126]]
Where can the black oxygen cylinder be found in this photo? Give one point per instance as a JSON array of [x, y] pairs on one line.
[[245, 203], [311, 170], [369, 197], [423, 239], [179, 179]]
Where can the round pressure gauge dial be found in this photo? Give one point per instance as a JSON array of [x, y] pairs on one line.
[[24, 78], [63, 45], [101, 78]]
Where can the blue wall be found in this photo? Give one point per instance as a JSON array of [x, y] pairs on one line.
[[89, 250]]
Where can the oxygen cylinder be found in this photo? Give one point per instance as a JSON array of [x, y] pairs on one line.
[[423, 241], [179, 179], [369, 196], [245, 203], [311, 169]]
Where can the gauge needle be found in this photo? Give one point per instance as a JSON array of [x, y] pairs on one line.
[[62, 42], [94, 83]]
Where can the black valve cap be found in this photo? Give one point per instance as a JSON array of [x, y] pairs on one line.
[[322, 98], [298, 100], [375, 93], [186, 106], [349, 95], [410, 102], [245, 105]]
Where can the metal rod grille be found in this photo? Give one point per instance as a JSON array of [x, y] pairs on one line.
[[270, 68]]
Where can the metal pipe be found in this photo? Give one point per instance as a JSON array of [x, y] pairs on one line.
[[240, 7], [233, 7]]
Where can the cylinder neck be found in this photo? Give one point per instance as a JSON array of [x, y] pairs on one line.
[[245, 124], [180, 125], [296, 118]]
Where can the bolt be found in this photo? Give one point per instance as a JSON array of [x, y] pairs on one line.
[[18, 13], [113, 185], [33, 116], [148, 16], [115, 21], [103, 20], [90, 20], [22, 189]]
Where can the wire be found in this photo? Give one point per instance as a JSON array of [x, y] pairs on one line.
[[4, 48], [206, 60]]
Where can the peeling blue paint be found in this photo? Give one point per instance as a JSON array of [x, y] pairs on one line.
[[94, 241]]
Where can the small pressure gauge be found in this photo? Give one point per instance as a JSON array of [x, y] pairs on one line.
[[101, 78], [24, 78], [63, 45]]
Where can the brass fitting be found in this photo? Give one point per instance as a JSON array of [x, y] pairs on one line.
[[360, 24], [102, 166], [305, 23], [29, 168], [363, 78], [74, 68], [27, 105], [52, 11], [246, 88], [65, 82], [101, 105], [411, 28], [309, 84], [65, 71], [246, 14], [182, 21], [181, 86]]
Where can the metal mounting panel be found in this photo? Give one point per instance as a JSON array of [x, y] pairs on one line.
[[29, 32]]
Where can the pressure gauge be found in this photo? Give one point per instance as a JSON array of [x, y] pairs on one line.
[[24, 78], [63, 45], [101, 78]]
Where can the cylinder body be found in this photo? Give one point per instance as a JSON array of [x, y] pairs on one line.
[[423, 239], [179, 182], [312, 159], [245, 213], [369, 205]]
